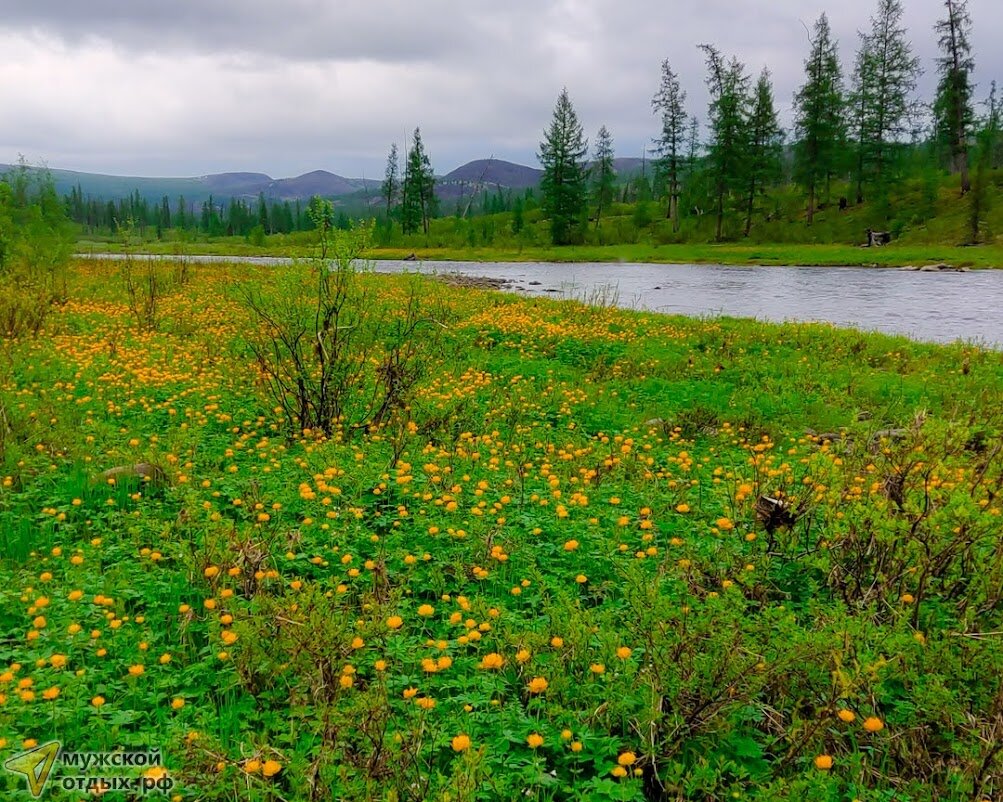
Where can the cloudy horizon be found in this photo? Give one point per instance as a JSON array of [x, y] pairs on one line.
[[193, 88]]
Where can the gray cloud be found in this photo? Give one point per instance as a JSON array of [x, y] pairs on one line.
[[196, 86]]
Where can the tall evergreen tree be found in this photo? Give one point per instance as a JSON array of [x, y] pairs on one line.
[[890, 72], [860, 103], [391, 180], [727, 150], [562, 154], [164, 220], [765, 145], [262, 213], [988, 138], [953, 111], [818, 116], [603, 174], [669, 101], [418, 201]]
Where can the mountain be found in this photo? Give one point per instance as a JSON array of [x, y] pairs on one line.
[[628, 167], [319, 182], [494, 172], [468, 180], [222, 186], [236, 184]]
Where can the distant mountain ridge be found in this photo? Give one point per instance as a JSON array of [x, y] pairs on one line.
[[222, 186], [472, 177]]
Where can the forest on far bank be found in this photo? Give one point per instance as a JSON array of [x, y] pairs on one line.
[[864, 152]]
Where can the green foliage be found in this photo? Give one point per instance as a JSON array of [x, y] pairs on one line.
[[418, 203], [953, 111], [765, 146], [571, 494], [887, 72], [819, 116], [669, 101], [727, 150], [988, 138], [391, 180], [562, 155], [35, 245], [602, 173]]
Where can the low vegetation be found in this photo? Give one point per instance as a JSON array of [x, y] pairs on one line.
[[586, 554]]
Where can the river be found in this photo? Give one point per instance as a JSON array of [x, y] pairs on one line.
[[937, 307]]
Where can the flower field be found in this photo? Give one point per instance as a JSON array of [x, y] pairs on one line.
[[597, 555]]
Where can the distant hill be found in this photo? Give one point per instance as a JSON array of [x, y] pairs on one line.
[[629, 167], [494, 172], [465, 181], [198, 189]]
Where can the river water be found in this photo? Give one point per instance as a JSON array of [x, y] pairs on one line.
[[939, 307]]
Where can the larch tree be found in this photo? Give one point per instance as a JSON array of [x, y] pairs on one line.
[[765, 145], [603, 173], [988, 139], [953, 113], [818, 116], [418, 198], [563, 186], [727, 148], [391, 179], [890, 71], [669, 102], [860, 102]]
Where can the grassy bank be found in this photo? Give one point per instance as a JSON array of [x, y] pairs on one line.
[[988, 256], [599, 555]]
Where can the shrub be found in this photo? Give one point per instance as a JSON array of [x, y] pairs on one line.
[[34, 252], [331, 351]]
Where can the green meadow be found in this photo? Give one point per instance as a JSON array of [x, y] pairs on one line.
[[579, 554]]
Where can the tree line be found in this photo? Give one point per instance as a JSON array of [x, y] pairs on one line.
[[855, 130], [857, 134], [232, 217]]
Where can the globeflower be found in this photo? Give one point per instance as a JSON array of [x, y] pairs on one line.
[[873, 724], [492, 661], [537, 685], [270, 768], [460, 743]]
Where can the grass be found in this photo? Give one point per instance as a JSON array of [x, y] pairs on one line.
[[554, 575], [726, 254], [988, 256]]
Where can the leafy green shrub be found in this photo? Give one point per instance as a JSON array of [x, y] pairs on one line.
[[35, 246]]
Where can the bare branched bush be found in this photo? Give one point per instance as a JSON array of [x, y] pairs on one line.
[[146, 286], [335, 348], [148, 281]]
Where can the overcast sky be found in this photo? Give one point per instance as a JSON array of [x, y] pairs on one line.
[[189, 87]]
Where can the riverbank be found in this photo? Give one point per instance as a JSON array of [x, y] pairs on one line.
[[830, 255], [938, 306]]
